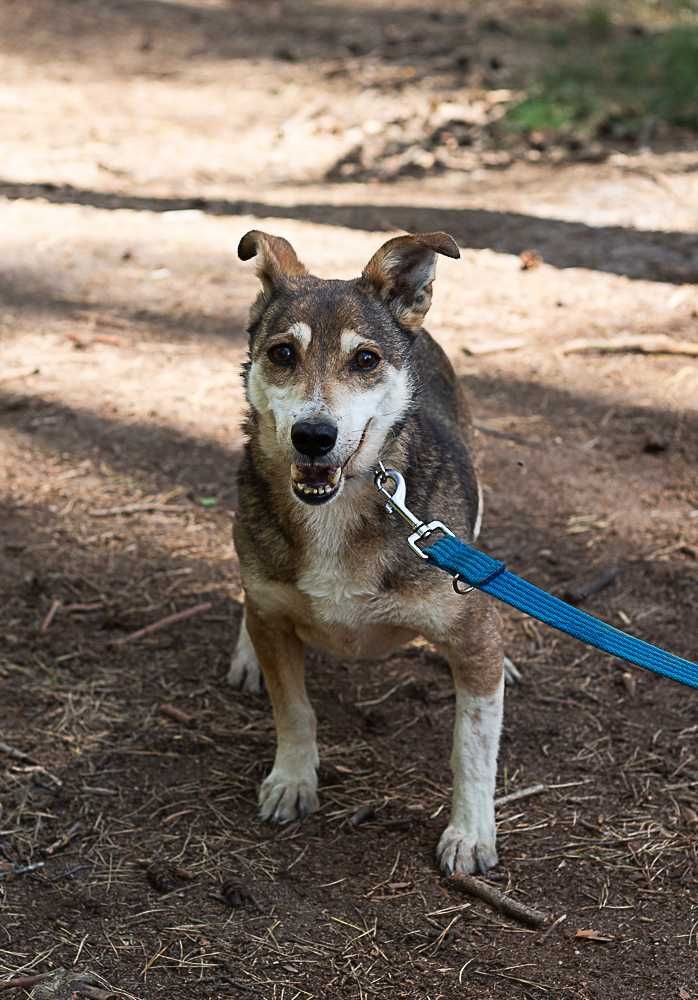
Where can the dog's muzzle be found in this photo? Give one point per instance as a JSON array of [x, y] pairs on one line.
[[312, 480]]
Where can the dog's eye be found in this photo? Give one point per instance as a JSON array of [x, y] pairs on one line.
[[282, 355], [366, 360]]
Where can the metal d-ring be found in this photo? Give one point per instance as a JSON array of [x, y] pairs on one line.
[[458, 579]]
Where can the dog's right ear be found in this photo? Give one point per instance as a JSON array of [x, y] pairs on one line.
[[276, 259]]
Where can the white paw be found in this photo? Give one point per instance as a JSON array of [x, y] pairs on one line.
[[460, 851], [512, 674], [284, 797], [244, 673]]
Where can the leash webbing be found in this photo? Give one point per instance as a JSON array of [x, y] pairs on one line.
[[491, 576]]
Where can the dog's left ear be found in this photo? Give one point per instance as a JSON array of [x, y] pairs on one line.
[[402, 273]]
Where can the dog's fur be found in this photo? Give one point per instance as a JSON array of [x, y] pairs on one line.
[[334, 572]]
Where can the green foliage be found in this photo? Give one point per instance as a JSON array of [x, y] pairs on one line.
[[597, 22], [613, 81]]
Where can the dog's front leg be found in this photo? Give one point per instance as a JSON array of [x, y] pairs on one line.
[[290, 790], [468, 844]]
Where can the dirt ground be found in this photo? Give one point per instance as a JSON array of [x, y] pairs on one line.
[[139, 141]]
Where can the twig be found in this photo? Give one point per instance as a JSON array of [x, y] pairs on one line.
[[178, 714], [63, 841], [556, 923], [94, 992], [179, 616], [46, 624], [14, 870], [20, 376], [523, 793], [472, 886], [16, 754], [578, 590], [138, 508], [23, 982], [364, 814], [479, 347], [100, 338], [508, 436], [658, 344]]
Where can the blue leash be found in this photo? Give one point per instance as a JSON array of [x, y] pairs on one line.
[[475, 568]]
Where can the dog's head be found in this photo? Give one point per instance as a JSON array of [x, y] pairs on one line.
[[329, 376]]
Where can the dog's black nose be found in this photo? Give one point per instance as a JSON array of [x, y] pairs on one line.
[[313, 438]]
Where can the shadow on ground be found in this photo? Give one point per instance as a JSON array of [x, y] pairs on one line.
[[644, 254]]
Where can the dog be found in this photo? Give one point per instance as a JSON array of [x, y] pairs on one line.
[[342, 375]]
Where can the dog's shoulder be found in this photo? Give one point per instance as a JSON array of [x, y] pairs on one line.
[[262, 539]]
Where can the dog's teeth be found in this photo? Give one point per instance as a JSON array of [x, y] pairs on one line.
[[330, 487]]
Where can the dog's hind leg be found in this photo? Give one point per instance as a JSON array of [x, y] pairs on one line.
[[290, 790], [475, 656], [244, 673]]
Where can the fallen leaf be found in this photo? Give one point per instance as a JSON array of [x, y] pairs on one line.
[[530, 259], [590, 935]]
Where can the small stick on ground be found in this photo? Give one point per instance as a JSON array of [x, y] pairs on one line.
[[16, 754], [19, 376], [23, 982], [100, 338], [508, 436], [46, 623], [556, 923], [523, 793], [179, 616], [94, 992], [579, 590], [139, 508], [178, 714], [364, 814], [472, 886], [658, 344], [63, 841], [15, 870]]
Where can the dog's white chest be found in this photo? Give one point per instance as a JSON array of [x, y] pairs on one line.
[[346, 616], [338, 589], [327, 584]]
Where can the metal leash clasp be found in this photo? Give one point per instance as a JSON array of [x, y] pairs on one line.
[[397, 504]]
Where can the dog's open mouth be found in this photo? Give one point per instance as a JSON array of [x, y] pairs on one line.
[[315, 484]]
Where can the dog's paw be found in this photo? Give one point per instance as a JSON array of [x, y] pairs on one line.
[[512, 674], [458, 852], [283, 797], [244, 673]]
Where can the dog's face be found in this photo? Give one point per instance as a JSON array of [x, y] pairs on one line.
[[329, 376]]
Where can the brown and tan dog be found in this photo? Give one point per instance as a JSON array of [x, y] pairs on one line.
[[340, 375]]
